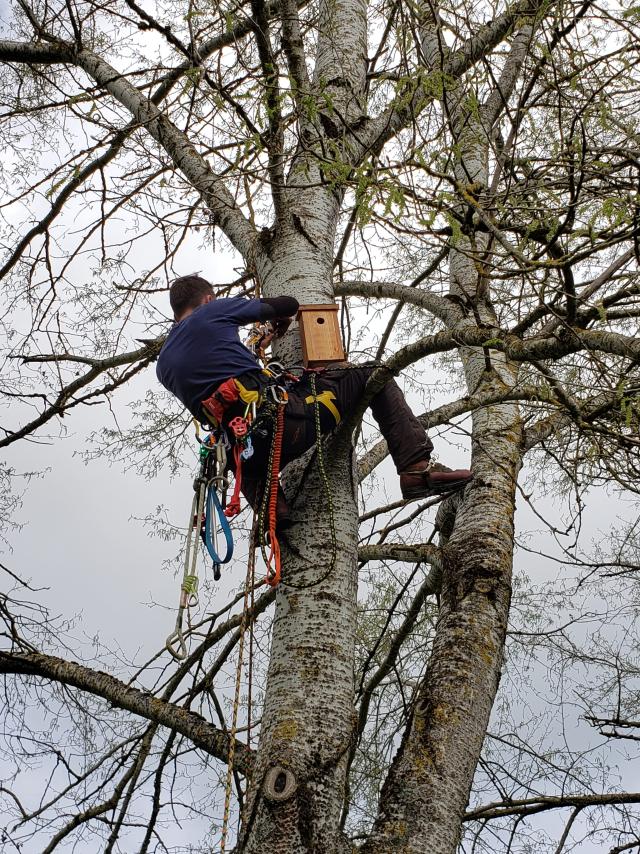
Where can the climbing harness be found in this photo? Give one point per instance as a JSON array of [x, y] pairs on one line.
[[210, 514], [263, 414]]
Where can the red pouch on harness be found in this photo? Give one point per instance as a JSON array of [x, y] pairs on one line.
[[222, 398]]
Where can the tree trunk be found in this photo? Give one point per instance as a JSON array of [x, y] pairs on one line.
[[298, 786]]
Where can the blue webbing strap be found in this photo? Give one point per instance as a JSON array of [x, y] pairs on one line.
[[214, 508]]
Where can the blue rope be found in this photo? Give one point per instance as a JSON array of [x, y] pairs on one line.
[[215, 508]]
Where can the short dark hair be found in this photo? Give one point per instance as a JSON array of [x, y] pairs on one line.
[[187, 292]]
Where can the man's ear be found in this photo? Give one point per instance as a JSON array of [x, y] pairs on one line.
[[208, 298]]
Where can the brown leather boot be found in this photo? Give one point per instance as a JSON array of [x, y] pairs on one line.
[[426, 479]]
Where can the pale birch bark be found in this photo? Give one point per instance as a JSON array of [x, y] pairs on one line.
[[426, 792], [297, 791]]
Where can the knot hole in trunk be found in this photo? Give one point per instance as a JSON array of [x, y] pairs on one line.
[[279, 784]]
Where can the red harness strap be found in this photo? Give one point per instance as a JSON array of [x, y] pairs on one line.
[[233, 507], [226, 394], [216, 405]]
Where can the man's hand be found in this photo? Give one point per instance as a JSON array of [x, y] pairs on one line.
[[279, 311], [280, 325]]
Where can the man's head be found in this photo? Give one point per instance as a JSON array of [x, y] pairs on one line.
[[187, 293]]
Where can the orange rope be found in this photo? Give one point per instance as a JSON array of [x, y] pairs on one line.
[[274, 572]]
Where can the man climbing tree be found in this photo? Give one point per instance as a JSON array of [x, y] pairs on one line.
[[204, 364], [475, 167]]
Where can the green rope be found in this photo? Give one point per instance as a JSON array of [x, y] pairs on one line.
[[323, 473], [271, 414], [325, 482], [327, 491]]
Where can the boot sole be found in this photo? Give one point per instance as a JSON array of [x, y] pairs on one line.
[[419, 492]]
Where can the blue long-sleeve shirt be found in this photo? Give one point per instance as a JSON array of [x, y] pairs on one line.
[[204, 349]]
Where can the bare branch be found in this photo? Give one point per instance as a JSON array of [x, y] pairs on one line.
[[66, 399], [412, 552], [203, 734], [404, 109], [437, 305], [195, 168], [531, 806]]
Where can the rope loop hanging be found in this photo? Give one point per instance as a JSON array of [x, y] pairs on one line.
[[247, 619], [205, 518], [175, 643]]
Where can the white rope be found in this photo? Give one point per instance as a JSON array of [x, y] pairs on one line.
[[175, 643]]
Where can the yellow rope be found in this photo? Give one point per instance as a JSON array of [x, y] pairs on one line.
[[248, 588]]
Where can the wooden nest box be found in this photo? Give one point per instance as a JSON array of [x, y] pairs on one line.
[[320, 335]]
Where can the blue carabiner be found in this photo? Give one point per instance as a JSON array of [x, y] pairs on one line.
[[214, 508]]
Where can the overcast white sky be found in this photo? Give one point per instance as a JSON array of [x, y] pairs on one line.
[[80, 539]]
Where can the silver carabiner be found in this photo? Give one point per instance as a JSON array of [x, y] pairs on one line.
[[218, 480], [279, 394]]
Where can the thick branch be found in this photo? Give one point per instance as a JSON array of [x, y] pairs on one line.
[[402, 110], [203, 734], [294, 50], [417, 552], [192, 164], [499, 97], [36, 53], [531, 806], [49, 53], [275, 136], [438, 306], [569, 340]]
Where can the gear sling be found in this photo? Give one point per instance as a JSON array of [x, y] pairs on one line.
[[249, 409]]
